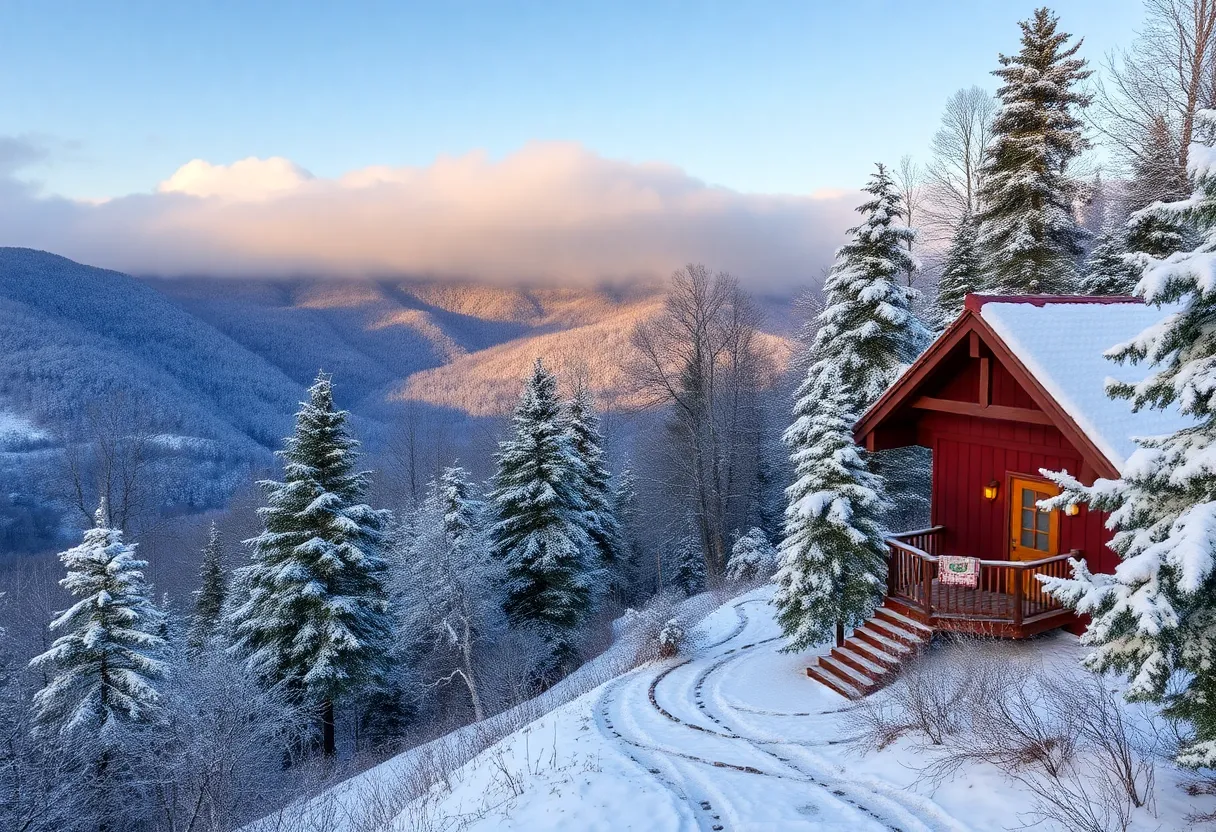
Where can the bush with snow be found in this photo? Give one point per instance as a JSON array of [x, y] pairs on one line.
[[752, 557], [671, 638]]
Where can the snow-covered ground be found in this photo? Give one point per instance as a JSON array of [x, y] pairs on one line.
[[732, 736]]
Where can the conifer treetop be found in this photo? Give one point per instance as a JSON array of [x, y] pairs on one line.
[[104, 666], [316, 613], [1028, 229], [867, 330]]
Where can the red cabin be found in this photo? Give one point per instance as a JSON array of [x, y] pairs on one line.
[[1015, 385]]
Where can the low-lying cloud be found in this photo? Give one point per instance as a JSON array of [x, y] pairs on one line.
[[549, 212]]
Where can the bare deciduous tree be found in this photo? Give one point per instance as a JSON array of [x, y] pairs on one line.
[[1168, 74], [110, 462], [700, 357], [910, 182], [954, 172]]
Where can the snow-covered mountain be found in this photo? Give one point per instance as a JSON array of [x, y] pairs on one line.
[[213, 368]]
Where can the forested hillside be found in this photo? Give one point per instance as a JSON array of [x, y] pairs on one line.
[[196, 379]]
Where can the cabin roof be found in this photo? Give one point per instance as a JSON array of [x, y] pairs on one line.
[[1055, 346], [1062, 344]]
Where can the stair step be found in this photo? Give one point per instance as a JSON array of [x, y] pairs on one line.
[[894, 632], [847, 674], [880, 641], [839, 685], [856, 660], [875, 655], [900, 620]]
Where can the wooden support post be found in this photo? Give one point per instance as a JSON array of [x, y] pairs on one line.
[[840, 634], [985, 382], [926, 586], [1019, 590]]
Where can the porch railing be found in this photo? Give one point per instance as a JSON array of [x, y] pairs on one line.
[[1008, 592]]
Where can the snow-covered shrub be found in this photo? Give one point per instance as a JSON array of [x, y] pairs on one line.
[[1067, 740], [752, 557], [927, 701], [671, 638]]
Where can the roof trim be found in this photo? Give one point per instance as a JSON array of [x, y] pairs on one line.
[[899, 393], [976, 302]]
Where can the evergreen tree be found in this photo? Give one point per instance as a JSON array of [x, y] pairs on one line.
[[539, 533], [962, 273], [1155, 173], [105, 666], [316, 616], [462, 513], [1028, 233], [867, 330], [209, 599], [689, 575], [603, 527], [1154, 617], [625, 508], [1155, 179], [1107, 271], [752, 557], [868, 333], [833, 558]]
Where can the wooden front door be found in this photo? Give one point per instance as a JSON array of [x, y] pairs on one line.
[[1033, 533]]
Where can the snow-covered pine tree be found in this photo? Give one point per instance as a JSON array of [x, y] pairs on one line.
[[752, 557], [868, 333], [689, 576], [962, 272], [1028, 233], [833, 558], [316, 617], [1107, 271], [867, 330], [462, 512], [1154, 618], [601, 522], [209, 598], [625, 507], [104, 668], [540, 533]]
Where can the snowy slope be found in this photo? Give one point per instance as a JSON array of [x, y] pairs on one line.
[[732, 737]]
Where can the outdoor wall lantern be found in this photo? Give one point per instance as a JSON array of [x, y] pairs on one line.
[[1072, 510], [991, 489]]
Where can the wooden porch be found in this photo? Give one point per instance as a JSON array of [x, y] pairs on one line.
[[1009, 601]]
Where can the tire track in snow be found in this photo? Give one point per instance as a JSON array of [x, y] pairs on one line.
[[700, 808], [803, 776], [891, 796]]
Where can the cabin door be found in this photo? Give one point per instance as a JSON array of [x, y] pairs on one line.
[[1033, 533]]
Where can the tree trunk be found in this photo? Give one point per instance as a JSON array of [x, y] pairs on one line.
[[840, 634], [328, 743], [466, 651]]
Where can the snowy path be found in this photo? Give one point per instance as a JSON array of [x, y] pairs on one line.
[[730, 736], [731, 769]]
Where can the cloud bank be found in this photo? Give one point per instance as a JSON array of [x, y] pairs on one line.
[[551, 212]]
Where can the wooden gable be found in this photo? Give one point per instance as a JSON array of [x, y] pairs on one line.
[[969, 372]]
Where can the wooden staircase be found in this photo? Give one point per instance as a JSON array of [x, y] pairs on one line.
[[870, 658]]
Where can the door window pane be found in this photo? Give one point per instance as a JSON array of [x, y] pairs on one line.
[[1041, 541], [1027, 498], [1028, 519], [1027, 538]]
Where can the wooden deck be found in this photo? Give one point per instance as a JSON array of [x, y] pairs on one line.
[[1008, 603]]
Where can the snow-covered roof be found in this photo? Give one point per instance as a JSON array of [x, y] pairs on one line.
[[1062, 343]]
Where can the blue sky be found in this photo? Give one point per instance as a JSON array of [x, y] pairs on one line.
[[760, 97]]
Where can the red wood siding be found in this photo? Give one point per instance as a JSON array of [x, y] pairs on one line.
[[970, 452]]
